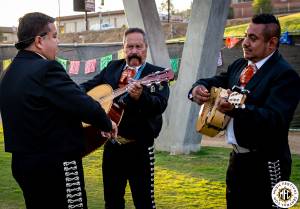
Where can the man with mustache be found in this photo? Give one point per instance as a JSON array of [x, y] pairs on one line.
[[130, 157], [258, 132]]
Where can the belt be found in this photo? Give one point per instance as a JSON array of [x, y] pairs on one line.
[[121, 140], [239, 149]]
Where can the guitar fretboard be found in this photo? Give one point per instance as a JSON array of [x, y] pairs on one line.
[[156, 77], [119, 92]]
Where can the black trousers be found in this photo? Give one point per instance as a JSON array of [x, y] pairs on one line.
[[250, 179], [49, 181], [129, 162]]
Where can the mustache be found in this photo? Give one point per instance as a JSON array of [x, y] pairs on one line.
[[134, 56]]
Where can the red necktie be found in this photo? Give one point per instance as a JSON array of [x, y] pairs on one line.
[[247, 74], [127, 73]]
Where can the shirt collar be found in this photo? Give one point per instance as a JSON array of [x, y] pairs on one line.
[[40, 55], [136, 68], [261, 62]]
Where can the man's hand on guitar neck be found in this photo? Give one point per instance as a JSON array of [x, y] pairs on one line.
[[113, 133], [135, 89], [200, 94]]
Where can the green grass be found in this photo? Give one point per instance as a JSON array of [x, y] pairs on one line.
[[290, 23], [182, 181]]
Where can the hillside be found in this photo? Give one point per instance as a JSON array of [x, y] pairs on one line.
[[290, 23], [173, 30]]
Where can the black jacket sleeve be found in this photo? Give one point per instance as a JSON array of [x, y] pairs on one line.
[[66, 95]]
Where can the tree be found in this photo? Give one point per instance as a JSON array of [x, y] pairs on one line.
[[262, 6], [1, 37], [185, 14], [230, 13], [168, 7]]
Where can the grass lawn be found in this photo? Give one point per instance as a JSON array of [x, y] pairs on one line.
[[289, 23], [182, 181]]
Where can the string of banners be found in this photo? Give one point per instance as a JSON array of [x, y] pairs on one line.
[[73, 67], [98, 64]]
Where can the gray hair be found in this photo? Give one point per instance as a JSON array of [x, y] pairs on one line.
[[135, 30]]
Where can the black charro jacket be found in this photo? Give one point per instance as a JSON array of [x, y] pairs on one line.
[[142, 119], [42, 108], [274, 94]]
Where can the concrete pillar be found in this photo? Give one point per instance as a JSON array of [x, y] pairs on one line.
[[199, 60], [143, 14]]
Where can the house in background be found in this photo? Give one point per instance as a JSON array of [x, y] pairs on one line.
[[8, 35], [96, 21], [243, 8], [100, 21]]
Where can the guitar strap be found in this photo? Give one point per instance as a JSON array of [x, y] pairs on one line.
[[138, 75]]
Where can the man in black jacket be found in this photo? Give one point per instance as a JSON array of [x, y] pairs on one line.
[[258, 132], [42, 111], [131, 155]]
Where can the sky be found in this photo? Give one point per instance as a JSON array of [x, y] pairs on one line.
[[11, 10]]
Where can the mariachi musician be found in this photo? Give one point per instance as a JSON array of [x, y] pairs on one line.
[[42, 111], [258, 132], [130, 156]]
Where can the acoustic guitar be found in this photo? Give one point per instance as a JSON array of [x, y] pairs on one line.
[[210, 120], [105, 95]]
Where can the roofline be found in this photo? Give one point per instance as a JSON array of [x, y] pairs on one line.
[[8, 29], [95, 14]]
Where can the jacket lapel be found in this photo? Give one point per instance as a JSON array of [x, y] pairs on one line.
[[117, 74], [265, 68], [236, 76], [145, 71]]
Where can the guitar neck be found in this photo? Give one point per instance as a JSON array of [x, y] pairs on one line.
[[119, 92], [115, 93], [156, 77]]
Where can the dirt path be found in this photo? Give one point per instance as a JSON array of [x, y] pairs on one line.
[[294, 141]]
